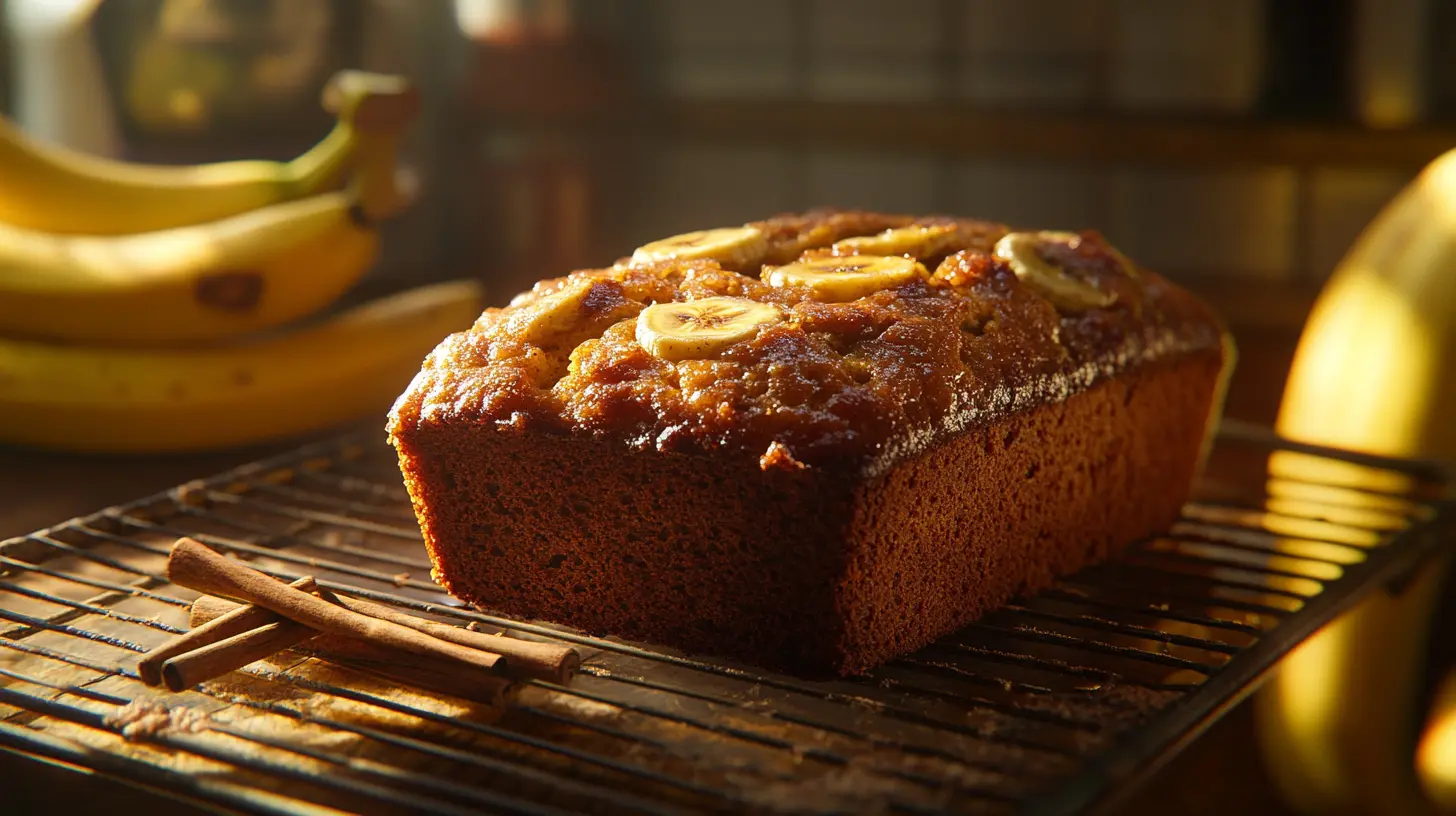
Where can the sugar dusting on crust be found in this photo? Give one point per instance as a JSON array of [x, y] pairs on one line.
[[145, 719], [864, 383]]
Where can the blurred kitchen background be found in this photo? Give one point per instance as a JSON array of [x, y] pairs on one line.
[[1235, 145]]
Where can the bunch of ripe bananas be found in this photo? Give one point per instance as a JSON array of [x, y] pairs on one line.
[[152, 308]]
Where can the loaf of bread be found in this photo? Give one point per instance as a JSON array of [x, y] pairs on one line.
[[810, 443]]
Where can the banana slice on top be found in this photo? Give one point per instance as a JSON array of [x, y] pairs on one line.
[[919, 240], [734, 247], [1067, 293], [701, 328], [551, 316], [852, 277]]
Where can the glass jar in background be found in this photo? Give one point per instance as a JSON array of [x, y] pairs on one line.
[[421, 41], [541, 86], [201, 80], [61, 93]]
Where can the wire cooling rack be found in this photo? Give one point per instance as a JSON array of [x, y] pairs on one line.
[[1056, 703]]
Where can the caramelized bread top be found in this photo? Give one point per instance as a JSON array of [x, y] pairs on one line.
[[832, 339]]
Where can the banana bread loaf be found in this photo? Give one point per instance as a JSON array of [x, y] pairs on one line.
[[811, 443]]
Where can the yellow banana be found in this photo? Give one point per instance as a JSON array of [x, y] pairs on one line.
[[241, 274], [348, 367], [232, 276], [1436, 756], [1372, 373], [52, 189]]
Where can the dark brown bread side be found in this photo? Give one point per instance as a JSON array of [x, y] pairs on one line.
[[828, 522], [807, 572]]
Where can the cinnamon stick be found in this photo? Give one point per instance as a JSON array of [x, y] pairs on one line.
[[527, 659], [429, 674], [194, 565], [207, 608], [543, 661], [239, 620], [230, 654]]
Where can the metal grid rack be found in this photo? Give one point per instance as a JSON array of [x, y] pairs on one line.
[[1052, 704]]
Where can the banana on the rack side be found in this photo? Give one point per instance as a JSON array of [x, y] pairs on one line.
[[1436, 755], [1372, 373]]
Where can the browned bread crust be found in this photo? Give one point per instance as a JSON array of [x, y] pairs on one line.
[[843, 486]]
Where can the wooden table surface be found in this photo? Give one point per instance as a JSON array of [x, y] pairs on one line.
[[39, 488]]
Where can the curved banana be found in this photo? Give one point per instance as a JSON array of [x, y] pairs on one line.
[[241, 274], [348, 367], [236, 275], [1372, 373], [53, 189]]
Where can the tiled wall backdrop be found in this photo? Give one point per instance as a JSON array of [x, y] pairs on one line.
[[1129, 54], [1128, 57]]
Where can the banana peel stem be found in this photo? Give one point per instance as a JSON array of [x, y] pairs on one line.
[[322, 168], [372, 114], [381, 188]]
